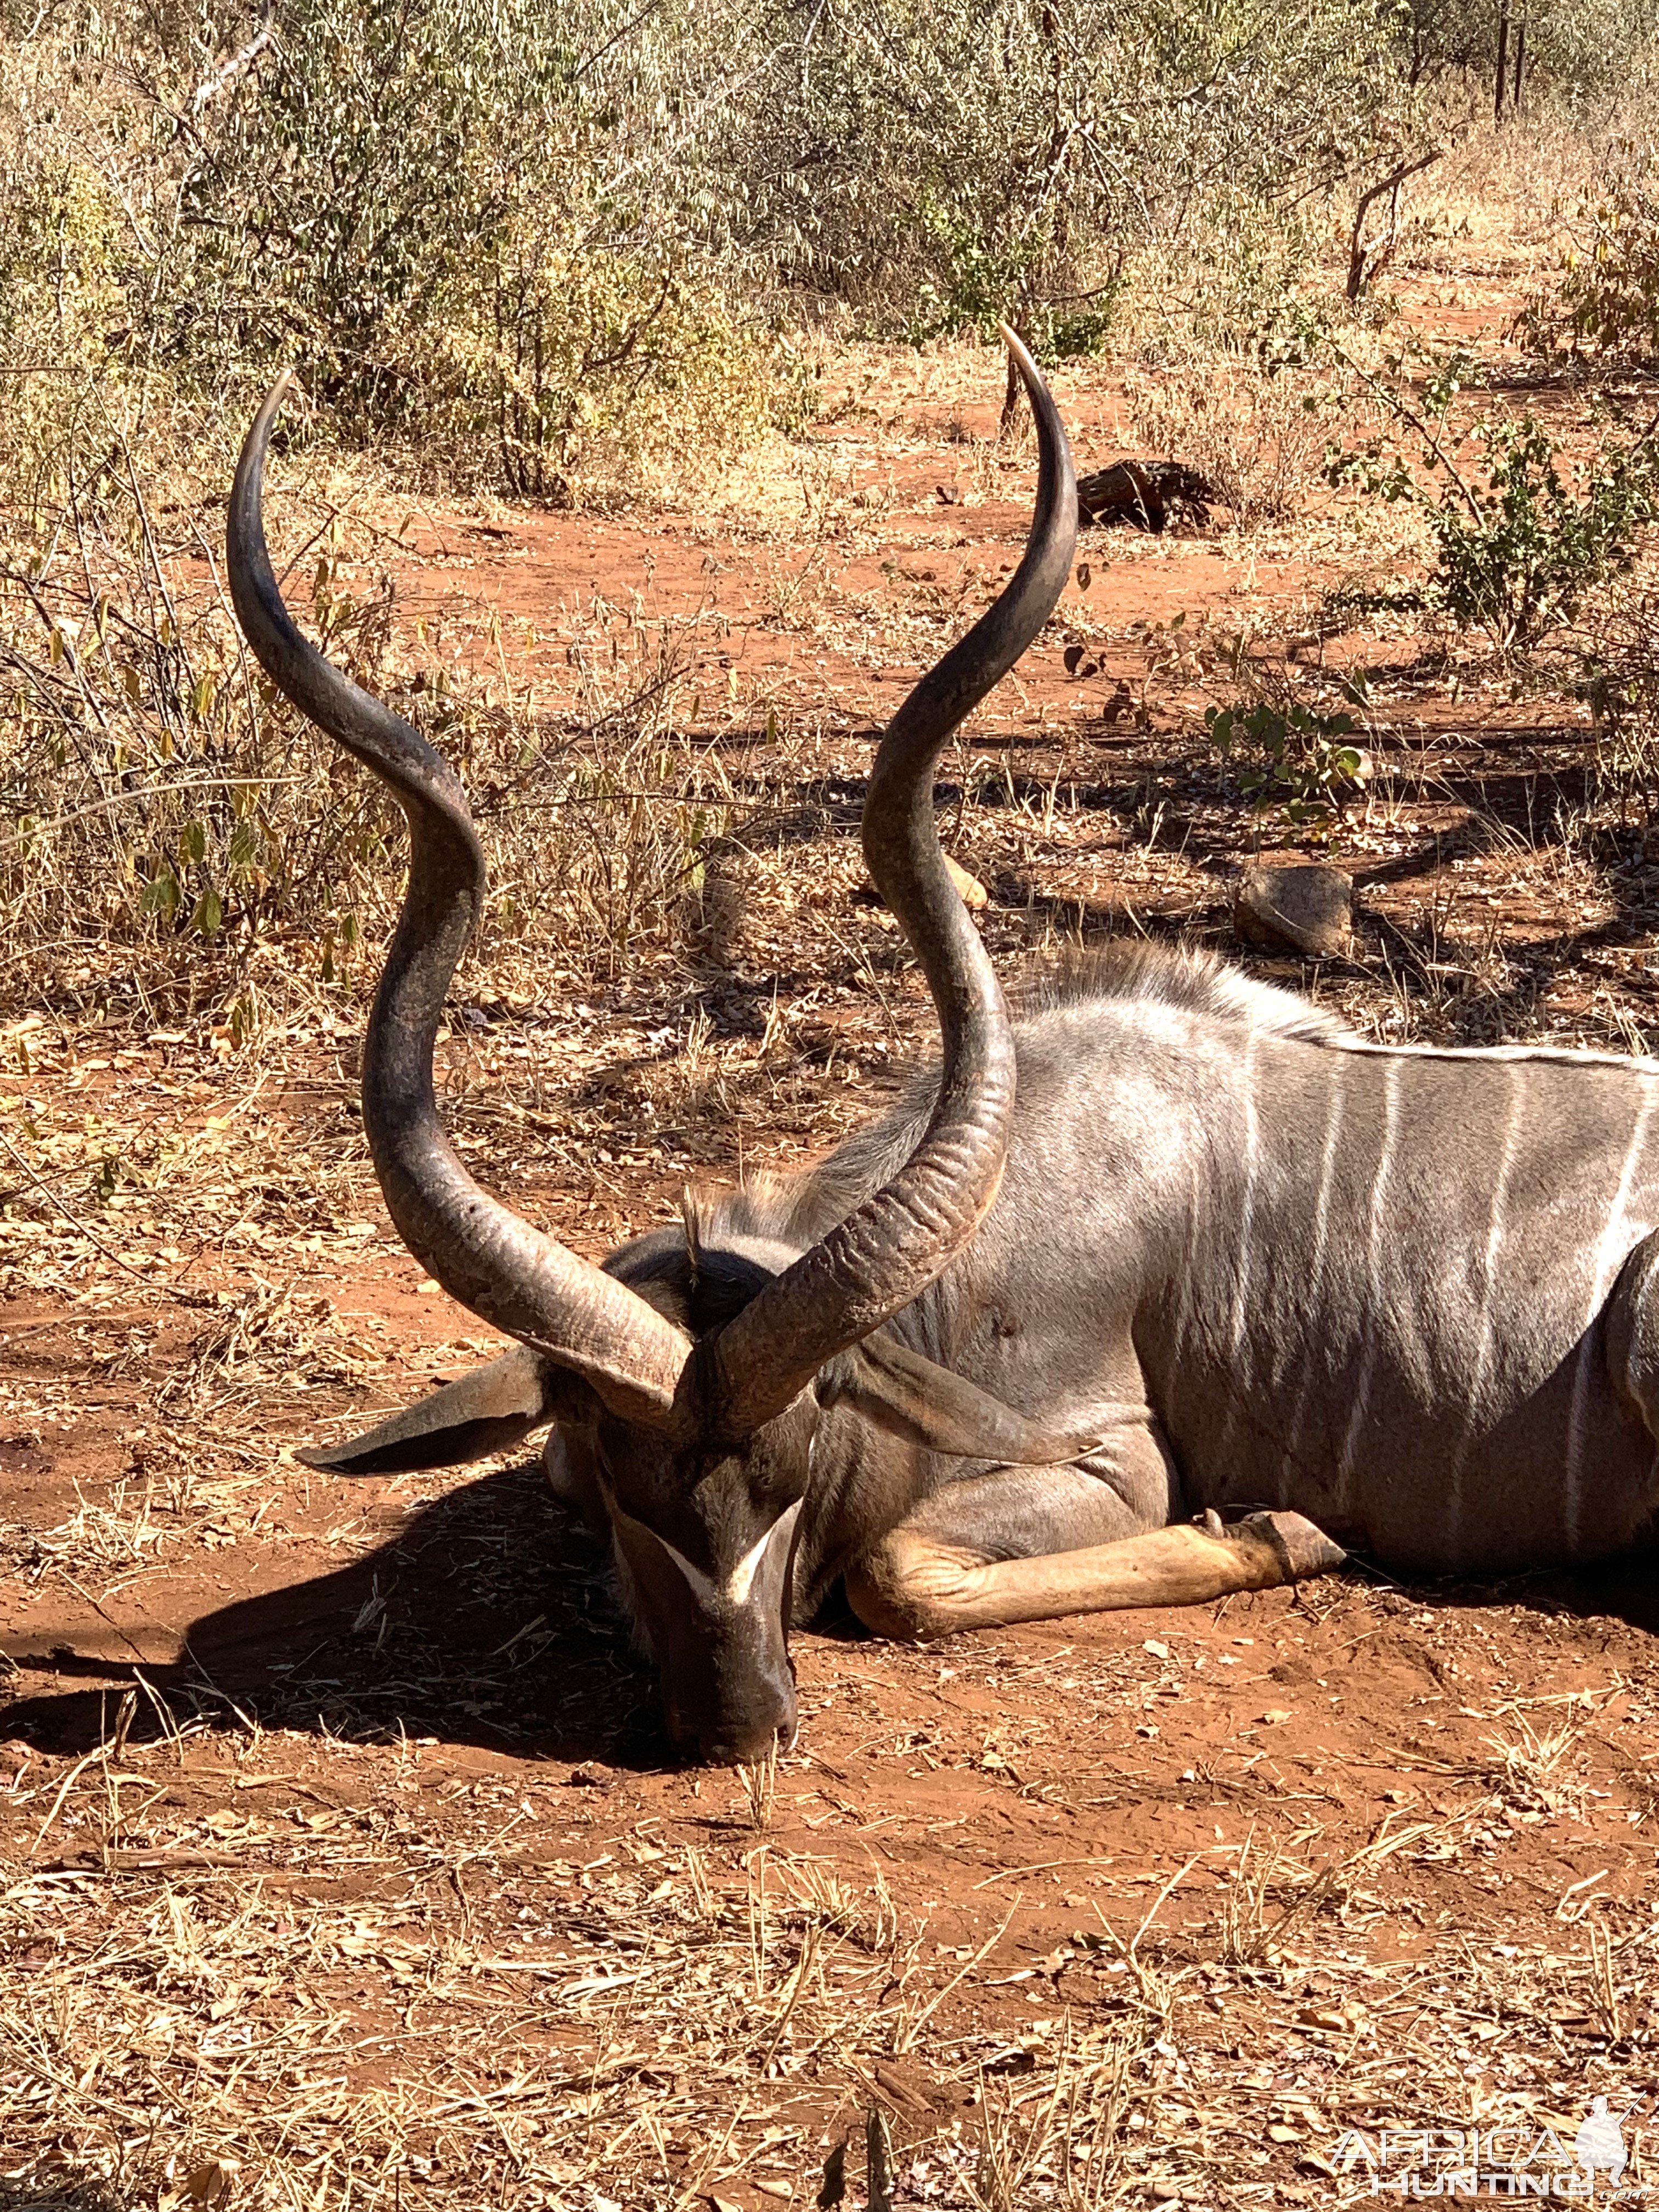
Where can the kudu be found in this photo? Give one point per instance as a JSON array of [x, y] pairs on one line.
[[1215, 1254]]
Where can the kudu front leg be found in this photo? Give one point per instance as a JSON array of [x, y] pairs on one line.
[[929, 1578]]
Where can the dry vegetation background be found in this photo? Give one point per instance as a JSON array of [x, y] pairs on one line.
[[652, 447]]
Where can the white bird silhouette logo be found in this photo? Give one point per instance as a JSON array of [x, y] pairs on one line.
[[1600, 2143]]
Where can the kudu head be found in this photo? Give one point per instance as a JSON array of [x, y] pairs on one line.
[[688, 1384]]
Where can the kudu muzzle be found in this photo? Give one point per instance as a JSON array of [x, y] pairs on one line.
[[721, 1645]]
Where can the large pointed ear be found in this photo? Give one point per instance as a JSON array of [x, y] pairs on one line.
[[487, 1411], [927, 1405]]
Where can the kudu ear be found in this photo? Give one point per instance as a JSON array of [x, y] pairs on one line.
[[487, 1411], [927, 1405]]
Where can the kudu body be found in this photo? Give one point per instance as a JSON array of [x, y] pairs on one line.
[[1173, 1243]]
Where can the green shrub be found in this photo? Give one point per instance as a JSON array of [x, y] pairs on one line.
[[1519, 557], [1592, 50], [935, 164], [1521, 535], [1608, 298], [442, 212], [532, 234], [1290, 756]]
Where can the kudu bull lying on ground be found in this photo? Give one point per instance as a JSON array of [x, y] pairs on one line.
[[1218, 1253]]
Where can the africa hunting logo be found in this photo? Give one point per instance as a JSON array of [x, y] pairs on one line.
[[1530, 2160]]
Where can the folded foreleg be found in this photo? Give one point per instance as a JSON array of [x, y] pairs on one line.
[[947, 1566]]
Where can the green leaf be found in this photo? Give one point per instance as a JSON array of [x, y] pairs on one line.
[[161, 895]]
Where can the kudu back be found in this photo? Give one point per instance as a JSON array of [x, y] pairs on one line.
[[1168, 1244]]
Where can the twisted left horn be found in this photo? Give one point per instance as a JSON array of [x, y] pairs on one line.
[[488, 1257]]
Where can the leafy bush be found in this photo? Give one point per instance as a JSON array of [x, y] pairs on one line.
[[937, 163], [1608, 299], [1520, 551], [1522, 536], [442, 212], [1290, 756]]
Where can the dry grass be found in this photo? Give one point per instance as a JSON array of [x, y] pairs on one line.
[[351, 2041], [1258, 435], [1504, 199], [181, 841], [1536, 1765], [295, 2000]]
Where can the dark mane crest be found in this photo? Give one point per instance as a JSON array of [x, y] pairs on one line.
[[1190, 978], [704, 1269]]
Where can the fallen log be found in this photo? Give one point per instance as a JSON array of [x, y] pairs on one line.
[[1144, 496]]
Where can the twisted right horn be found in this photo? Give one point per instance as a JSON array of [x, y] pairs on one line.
[[891, 1248]]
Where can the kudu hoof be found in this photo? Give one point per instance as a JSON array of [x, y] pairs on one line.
[[1302, 1549]]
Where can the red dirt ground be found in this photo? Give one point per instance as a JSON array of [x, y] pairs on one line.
[[1349, 1856]]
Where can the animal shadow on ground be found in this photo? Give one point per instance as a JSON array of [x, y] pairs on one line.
[[487, 1619], [1624, 1588]]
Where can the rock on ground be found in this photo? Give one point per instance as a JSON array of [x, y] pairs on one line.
[[1307, 905]]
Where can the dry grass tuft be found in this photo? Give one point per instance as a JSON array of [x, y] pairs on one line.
[[1258, 435], [182, 844], [265, 1338], [1532, 1765]]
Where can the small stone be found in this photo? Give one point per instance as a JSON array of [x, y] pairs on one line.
[[969, 889], [1305, 904], [972, 892]]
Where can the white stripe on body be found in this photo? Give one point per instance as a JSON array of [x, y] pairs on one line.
[[1183, 1276], [1238, 1333], [1566, 1055], [1316, 1260], [1609, 1257], [1373, 1258], [1247, 1211], [1485, 1338]]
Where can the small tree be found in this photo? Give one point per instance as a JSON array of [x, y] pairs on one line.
[[1521, 536]]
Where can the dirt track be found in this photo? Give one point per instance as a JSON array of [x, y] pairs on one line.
[[418, 1880]]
